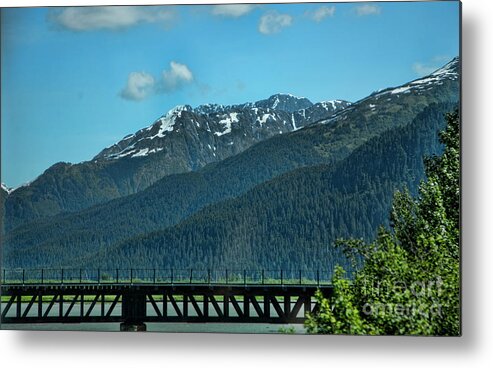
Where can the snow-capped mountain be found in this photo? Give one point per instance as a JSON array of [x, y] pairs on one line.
[[439, 86], [220, 131], [182, 140], [186, 139], [280, 101], [449, 72], [284, 102]]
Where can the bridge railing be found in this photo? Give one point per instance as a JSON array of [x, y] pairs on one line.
[[166, 276]]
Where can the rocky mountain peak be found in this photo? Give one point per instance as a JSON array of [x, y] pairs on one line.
[[285, 102], [243, 125]]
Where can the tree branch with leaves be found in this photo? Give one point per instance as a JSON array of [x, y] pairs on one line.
[[409, 281]]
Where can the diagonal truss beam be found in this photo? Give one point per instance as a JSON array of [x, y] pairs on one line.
[[154, 305], [7, 307], [275, 303], [236, 306], [93, 304], [215, 304], [195, 306], [113, 305], [71, 306], [52, 303], [175, 305], [28, 308], [256, 306]]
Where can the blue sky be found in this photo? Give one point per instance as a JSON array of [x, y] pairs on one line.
[[76, 80]]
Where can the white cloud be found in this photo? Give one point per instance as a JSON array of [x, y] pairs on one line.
[[367, 9], [274, 22], [232, 10], [176, 76], [422, 69], [139, 86], [109, 17], [321, 13]]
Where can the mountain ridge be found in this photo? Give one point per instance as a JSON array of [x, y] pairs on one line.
[[180, 141], [180, 196], [98, 181], [393, 153], [293, 111]]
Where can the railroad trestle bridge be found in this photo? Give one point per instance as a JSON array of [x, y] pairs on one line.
[[265, 297]]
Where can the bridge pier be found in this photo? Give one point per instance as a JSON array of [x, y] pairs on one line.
[[134, 312], [133, 327]]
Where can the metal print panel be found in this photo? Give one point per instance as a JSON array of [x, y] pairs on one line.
[[241, 168]]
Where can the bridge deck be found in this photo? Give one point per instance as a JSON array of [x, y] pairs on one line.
[[158, 302]]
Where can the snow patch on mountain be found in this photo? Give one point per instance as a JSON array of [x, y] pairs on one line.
[[168, 121], [12, 190], [178, 110], [166, 125], [332, 105], [127, 151], [405, 89], [6, 189], [128, 137], [262, 120], [293, 121], [227, 121], [142, 152], [146, 151], [276, 102]]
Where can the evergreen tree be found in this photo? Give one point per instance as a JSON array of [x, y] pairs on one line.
[[409, 281]]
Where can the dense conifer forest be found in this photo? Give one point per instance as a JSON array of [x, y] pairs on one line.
[[288, 222]]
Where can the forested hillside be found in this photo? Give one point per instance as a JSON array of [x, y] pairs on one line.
[[281, 202], [298, 214], [292, 221], [182, 140]]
